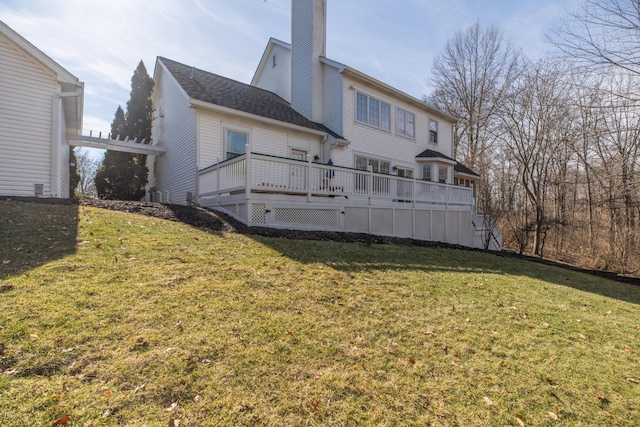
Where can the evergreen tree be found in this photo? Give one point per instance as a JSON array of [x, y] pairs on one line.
[[122, 176], [74, 176]]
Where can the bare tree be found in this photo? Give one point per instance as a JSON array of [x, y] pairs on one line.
[[602, 32], [536, 124], [471, 77], [87, 166], [618, 152]]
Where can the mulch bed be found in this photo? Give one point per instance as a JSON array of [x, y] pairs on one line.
[[215, 221]]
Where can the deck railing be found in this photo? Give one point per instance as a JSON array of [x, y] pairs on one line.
[[271, 174]]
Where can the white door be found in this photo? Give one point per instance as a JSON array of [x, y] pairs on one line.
[[298, 176]]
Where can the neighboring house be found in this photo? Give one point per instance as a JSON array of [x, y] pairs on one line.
[[312, 144], [40, 107]]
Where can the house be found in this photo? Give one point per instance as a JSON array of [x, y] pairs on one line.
[[40, 107], [311, 143]]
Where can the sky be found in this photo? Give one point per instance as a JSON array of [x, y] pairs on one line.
[[102, 41]]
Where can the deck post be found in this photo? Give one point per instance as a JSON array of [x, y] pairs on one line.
[[370, 183], [218, 180], [247, 172], [307, 183]]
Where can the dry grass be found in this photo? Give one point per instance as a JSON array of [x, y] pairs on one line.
[[138, 321]]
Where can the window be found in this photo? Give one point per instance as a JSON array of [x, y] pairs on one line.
[[405, 123], [380, 184], [442, 174], [377, 166], [433, 131], [405, 173], [236, 143], [426, 172], [373, 112]]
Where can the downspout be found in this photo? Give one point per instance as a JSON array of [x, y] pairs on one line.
[[56, 139]]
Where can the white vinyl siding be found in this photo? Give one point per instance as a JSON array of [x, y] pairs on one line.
[[333, 86], [209, 141], [26, 111], [176, 132], [263, 139], [277, 79], [373, 142]]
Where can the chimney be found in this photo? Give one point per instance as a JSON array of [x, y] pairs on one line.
[[308, 44]]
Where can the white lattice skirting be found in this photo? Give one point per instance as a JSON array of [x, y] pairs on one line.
[[443, 224]]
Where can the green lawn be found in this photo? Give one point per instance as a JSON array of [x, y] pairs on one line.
[[108, 318]]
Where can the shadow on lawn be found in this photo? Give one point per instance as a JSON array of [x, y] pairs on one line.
[[33, 233], [442, 259]]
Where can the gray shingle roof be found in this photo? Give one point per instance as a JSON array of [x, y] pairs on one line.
[[433, 154], [458, 167], [225, 92]]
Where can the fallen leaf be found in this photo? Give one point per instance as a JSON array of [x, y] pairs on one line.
[[411, 361], [503, 363], [191, 363], [599, 396], [98, 245], [488, 401], [173, 423], [106, 393], [553, 415], [171, 407], [520, 422], [62, 420], [33, 337], [56, 396], [549, 380]]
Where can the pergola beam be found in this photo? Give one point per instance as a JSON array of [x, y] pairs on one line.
[[114, 145]]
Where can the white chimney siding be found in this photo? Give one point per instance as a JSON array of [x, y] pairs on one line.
[[308, 44]]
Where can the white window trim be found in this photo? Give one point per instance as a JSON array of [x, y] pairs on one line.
[[371, 157], [235, 129], [405, 168], [404, 135], [437, 131], [381, 101]]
